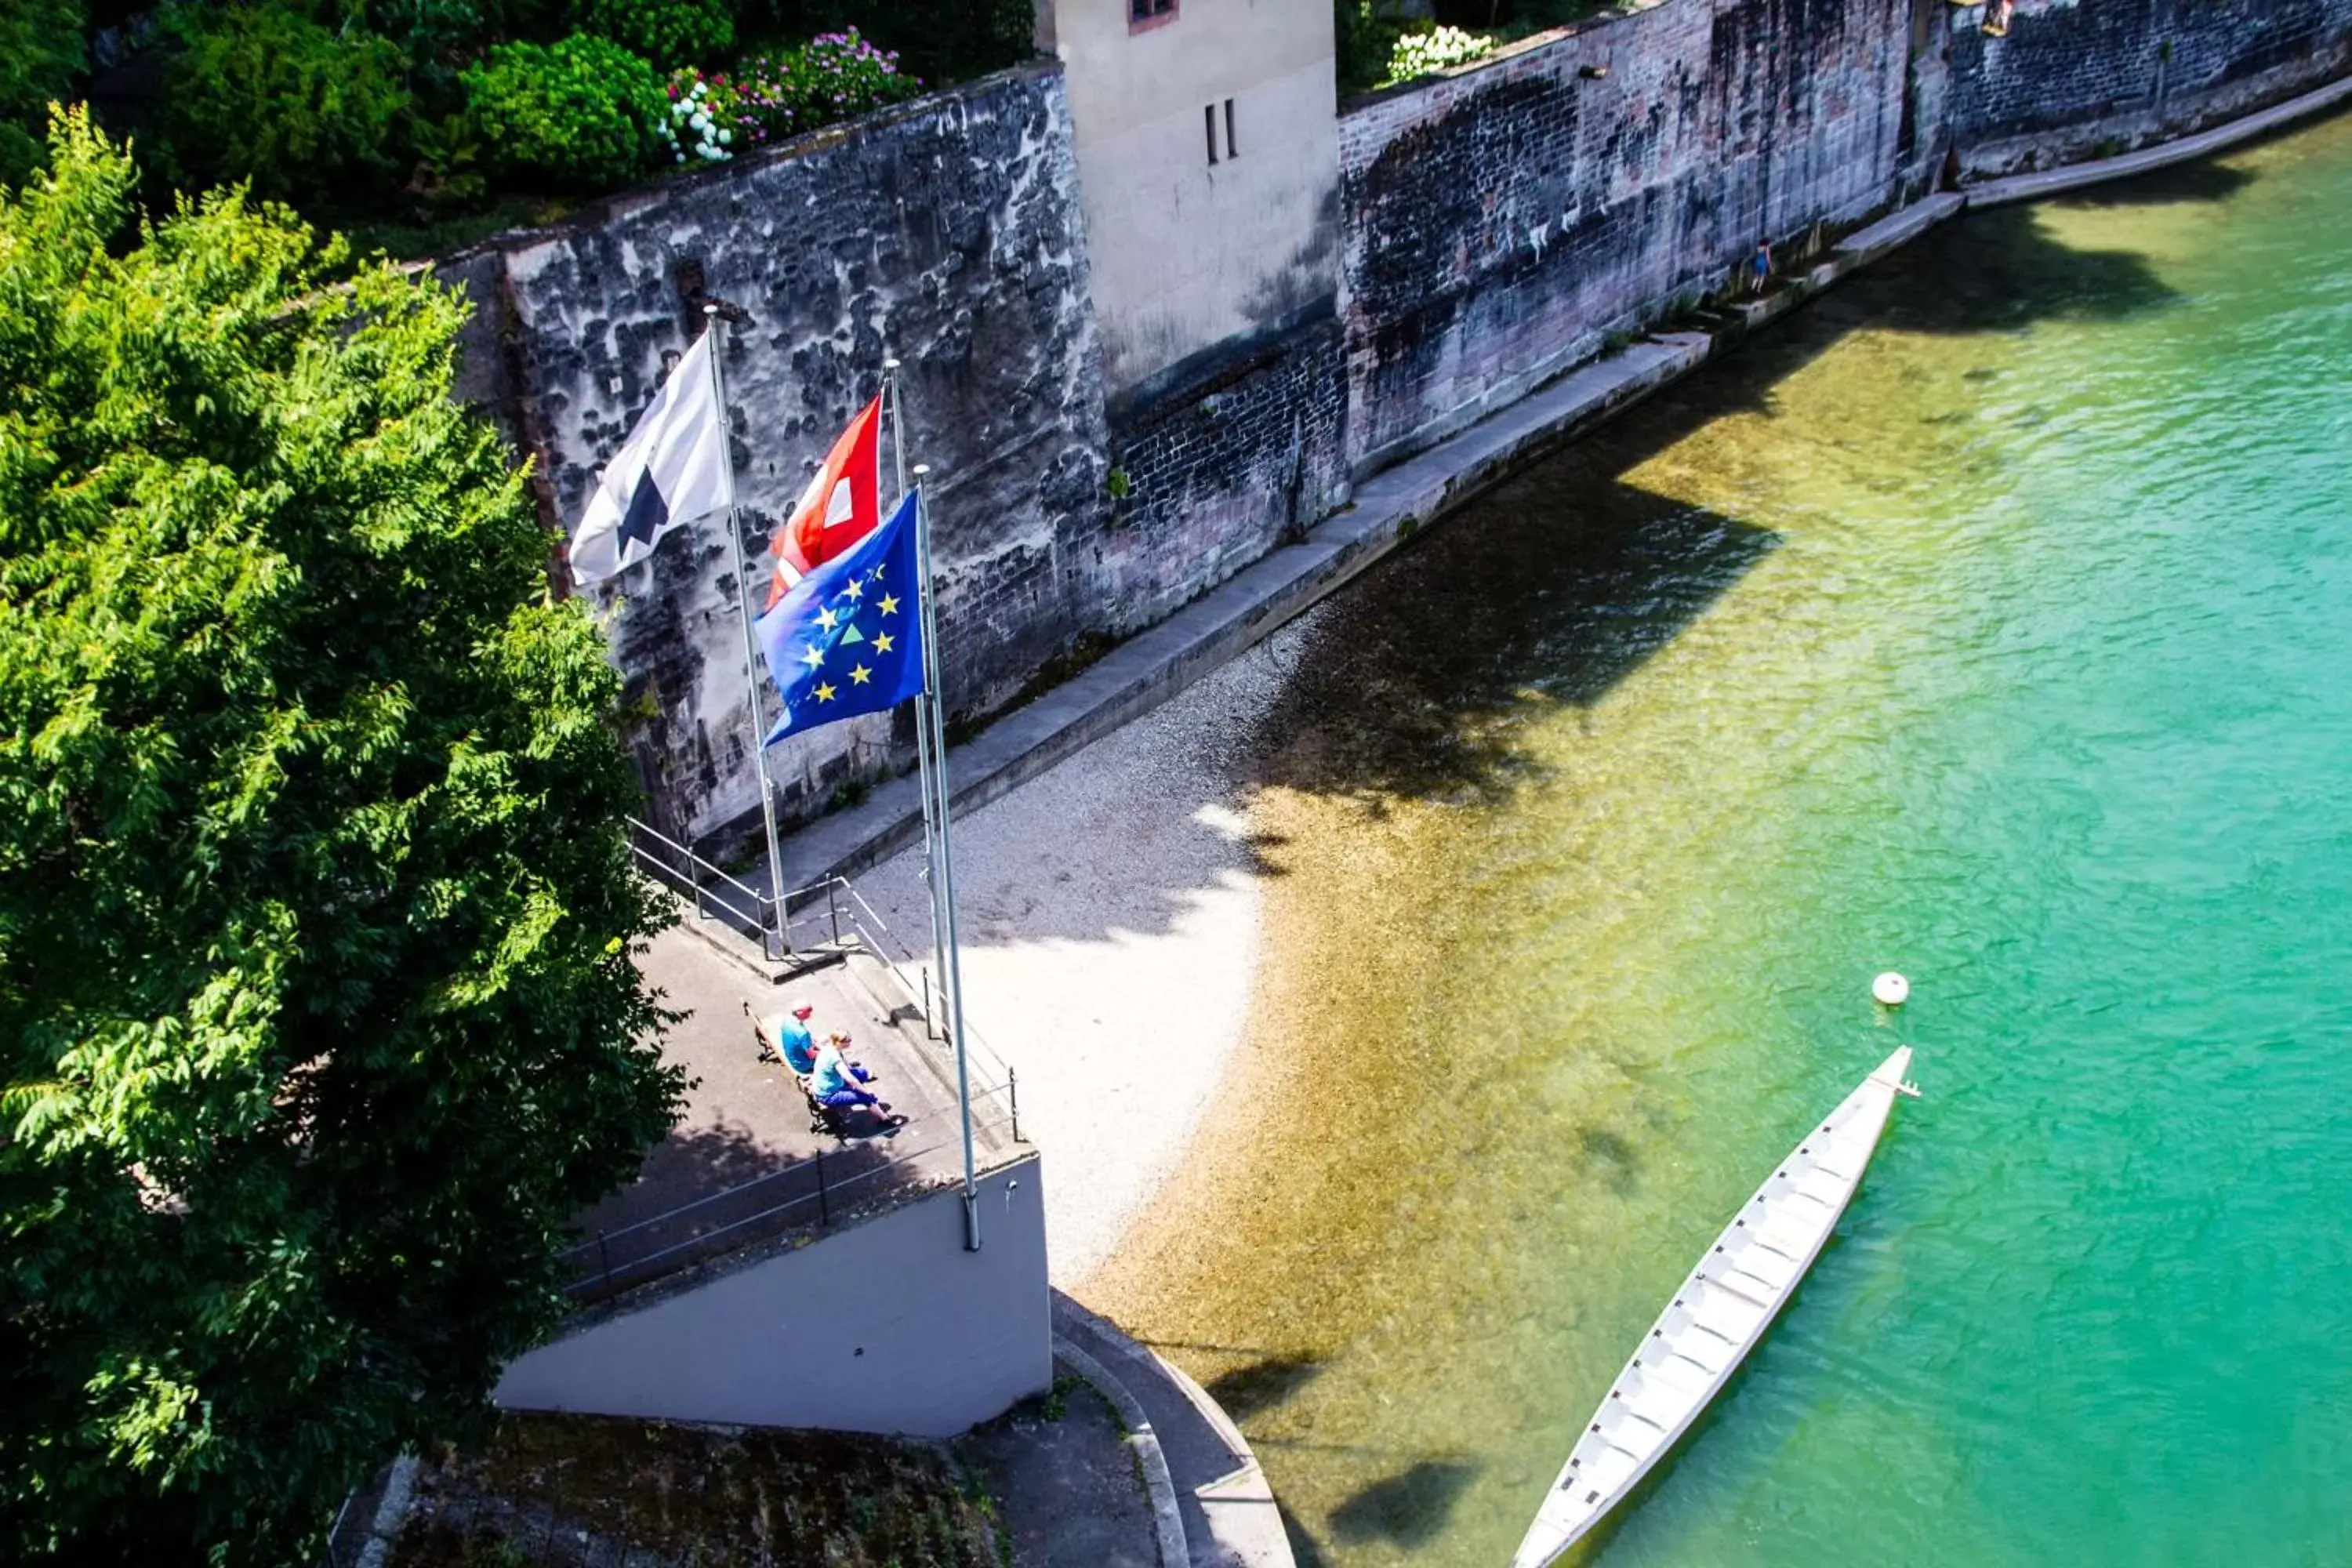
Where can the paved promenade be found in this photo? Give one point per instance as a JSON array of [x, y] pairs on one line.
[[741, 1165]]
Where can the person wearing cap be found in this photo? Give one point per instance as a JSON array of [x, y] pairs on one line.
[[792, 1038], [837, 1081]]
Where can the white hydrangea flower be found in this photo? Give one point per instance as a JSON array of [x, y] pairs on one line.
[[700, 122], [726, 136]]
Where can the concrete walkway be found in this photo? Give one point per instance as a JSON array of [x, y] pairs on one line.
[[1226, 1513], [1126, 1463], [2181, 150], [1393, 506], [1072, 1488], [742, 1164]]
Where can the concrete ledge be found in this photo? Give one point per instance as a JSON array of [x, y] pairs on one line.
[[1233, 1520], [1899, 228], [1168, 1522], [2182, 150], [389, 1513]]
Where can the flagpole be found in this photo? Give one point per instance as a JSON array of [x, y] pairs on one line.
[[922, 705], [717, 323], [945, 893]]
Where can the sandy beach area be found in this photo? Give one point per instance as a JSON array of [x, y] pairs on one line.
[[1109, 916]]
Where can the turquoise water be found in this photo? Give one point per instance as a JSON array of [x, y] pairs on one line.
[[1991, 621]]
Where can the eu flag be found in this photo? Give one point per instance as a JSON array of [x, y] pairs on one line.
[[848, 638]]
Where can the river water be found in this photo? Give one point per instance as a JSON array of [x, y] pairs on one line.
[[1989, 620]]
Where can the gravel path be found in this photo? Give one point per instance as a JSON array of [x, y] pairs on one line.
[[1109, 913]]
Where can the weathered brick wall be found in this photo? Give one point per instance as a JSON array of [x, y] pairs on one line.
[[946, 234], [1500, 222], [1220, 471], [2072, 80]]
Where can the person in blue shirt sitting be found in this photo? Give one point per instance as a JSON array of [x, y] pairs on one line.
[[838, 1082], [792, 1040]]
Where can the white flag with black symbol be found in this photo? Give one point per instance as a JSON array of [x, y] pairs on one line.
[[672, 469]]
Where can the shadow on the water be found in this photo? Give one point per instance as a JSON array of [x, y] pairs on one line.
[[1610, 1154], [1408, 1509], [1547, 592], [1248, 1391], [1418, 682], [1304, 1549], [2203, 181], [1999, 271]]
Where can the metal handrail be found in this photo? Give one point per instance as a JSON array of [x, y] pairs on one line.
[[666, 842], [595, 1251], [878, 939], [772, 920], [761, 913]]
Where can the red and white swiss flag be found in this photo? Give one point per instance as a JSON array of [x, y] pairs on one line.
[[840, 507]]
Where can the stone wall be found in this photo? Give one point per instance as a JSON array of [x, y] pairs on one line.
[[2074, 78], [1218, 472], [1483, 233], [946, 233], [1497, 224]]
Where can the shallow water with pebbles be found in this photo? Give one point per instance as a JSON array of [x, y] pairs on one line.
[[1991, 620]]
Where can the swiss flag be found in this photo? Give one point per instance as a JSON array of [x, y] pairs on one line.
[[840, 507]]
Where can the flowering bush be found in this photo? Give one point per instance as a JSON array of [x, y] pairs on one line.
[[831, 77], [583, 112], [1440, 49], [706, 123], [663, 31]]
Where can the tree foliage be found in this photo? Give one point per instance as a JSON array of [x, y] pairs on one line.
[[265, 95], [40, 54], [583, 113], [315, 997], [667, 32]]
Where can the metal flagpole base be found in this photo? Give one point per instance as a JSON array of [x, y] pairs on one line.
[[971, 1220]]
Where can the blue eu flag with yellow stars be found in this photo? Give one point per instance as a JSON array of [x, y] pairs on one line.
[[848, 638]]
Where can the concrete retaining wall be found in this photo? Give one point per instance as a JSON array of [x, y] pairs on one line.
[[2078, 78], [889, 1326], [1498, 224]]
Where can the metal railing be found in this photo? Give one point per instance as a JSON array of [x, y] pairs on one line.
[[830, 911], [717, 893], [832, 919], [807, 1192]]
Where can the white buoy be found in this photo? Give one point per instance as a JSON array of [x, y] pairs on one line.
[[1891, 989]]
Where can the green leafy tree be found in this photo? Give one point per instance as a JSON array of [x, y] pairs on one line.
[[40, 54], [317, 1014], [264, 94], [667, 32]]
